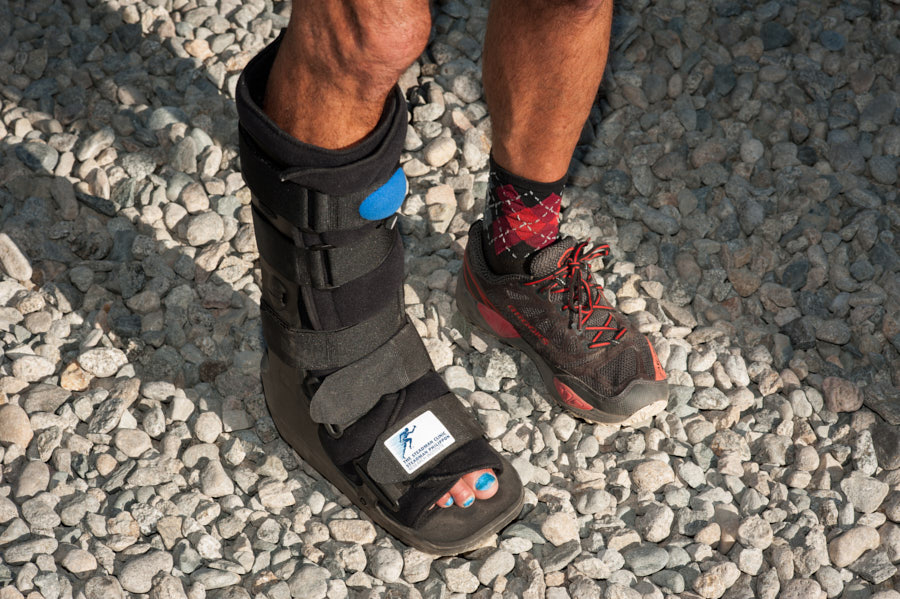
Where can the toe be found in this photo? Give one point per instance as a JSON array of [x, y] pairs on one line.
[[482, 482], [445, 501], [462, 493]]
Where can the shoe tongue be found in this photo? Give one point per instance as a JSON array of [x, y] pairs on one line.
[[545, 261]]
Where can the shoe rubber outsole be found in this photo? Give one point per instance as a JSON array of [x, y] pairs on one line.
[[654, 394], [448, 532]]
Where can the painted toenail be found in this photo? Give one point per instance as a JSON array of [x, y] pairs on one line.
[[449, 502], [484, 482], [469, 502]]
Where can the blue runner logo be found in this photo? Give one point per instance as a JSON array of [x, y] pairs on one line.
[[406, 439], [413, 451]]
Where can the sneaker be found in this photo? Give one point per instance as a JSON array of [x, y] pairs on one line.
[[591, 359]]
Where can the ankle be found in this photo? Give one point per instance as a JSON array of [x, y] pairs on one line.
[[520, 218]]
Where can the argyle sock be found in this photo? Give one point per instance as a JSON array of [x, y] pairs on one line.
[[521, 217]]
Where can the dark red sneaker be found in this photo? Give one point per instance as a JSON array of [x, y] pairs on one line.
[[593, 362]]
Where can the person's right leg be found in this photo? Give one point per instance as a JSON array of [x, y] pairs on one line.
[[324, 112]]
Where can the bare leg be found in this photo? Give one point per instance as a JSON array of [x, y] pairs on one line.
[[543, 61], [329, 82], [337, 63]]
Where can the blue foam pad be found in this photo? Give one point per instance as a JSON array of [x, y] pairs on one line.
[[385, 200]]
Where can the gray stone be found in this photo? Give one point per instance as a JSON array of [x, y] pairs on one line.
[[386, 564], [37, 156], [13, 261], [655, 523], [498, 563], [34, 478], [309, 582], [214, 481], [866, 493], [755, 532], [95, 143], [136, 576], [215, 579], [709, 398], [874, 566], [645, 559], [800, 588], [44, 398]]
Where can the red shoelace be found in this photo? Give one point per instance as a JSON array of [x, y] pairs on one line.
[[583, 296]]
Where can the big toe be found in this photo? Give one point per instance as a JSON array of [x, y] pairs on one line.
[[482, 482]]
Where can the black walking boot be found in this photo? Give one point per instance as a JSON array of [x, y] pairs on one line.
[[347, 380]]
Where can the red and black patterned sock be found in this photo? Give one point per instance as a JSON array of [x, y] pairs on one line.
[[521, 217]]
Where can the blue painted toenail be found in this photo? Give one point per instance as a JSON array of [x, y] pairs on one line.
[[449, 502], [484, 482], [469, 502]]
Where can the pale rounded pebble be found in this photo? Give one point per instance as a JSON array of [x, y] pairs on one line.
[[649, 476], [309, 581], [136, 575], [841, 395], [102, 361], [132, 442], [208, 427], [848, 547], [755, 532], [204, 228], [440, 151], [214, 481], [15, 426], [352, 531], [33, 478], [752, 150], [498, 563], [79, 561], [32, 368], [560, 528]]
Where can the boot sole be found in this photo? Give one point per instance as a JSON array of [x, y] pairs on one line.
[[653, 394], [450, 531]]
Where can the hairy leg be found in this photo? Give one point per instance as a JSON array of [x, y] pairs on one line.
[[337, 63], [543, 61]]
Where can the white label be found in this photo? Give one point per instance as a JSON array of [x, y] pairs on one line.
[[419, 441]]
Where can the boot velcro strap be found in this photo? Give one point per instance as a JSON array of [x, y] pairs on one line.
[[306, 208], [346, 395], [420, 440], [325, 350], [322, 266]]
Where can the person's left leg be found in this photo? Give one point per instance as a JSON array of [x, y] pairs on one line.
[[543, 61]]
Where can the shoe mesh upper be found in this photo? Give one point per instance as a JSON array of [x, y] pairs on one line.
[[606, 370]]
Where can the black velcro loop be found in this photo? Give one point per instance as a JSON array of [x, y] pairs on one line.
[[322, 266], [385, 468], [306, 209], [351, 392], [324, 350]]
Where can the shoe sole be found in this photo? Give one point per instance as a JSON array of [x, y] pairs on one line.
[[487, 319], [289, 408]]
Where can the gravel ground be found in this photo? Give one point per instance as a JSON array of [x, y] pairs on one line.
[[743, 164]]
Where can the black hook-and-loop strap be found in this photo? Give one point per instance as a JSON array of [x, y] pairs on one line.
[[346, 395], [325, 350], [322, 266]]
